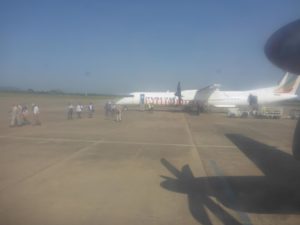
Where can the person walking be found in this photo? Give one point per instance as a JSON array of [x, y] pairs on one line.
[[36, 115], [19, 115], [25, 114], [82, 108], [70, 111], [13, 121], [90, 110], [113, 111], [118, 113], [78, 111]]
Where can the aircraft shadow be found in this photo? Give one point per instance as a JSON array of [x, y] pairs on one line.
[[161, 109], [169, 110], [276, 191]]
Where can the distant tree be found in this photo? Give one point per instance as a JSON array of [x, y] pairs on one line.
[[56, 91]]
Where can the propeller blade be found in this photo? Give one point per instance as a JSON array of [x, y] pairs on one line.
[[171, 168]]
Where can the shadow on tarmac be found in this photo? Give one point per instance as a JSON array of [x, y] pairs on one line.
[[169, 110], [188, 109], [277, 191]]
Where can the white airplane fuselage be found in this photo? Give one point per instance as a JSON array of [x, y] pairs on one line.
[[158, 98], [227, 99], [224, 99], [212, 96]]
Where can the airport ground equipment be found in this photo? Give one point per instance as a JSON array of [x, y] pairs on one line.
[[260, 113], [237, 113], [294, 114], [269, 113]]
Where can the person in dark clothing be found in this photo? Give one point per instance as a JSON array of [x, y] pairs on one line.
[[70, 111]]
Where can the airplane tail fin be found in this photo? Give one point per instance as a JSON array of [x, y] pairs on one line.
[[283, 79], [178, 92], [288, 85]]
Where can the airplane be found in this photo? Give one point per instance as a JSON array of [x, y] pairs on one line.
[[180, 97], [212, 96], [285, 90]]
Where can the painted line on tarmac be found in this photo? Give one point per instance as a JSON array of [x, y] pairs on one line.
[[117, 142], [194, 149], [166, 144], [244, 218], [49, 139], [55, 164]]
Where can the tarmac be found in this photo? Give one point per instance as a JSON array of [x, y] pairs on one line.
[[165, 167]]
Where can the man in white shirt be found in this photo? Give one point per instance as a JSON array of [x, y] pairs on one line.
[[13, 121], [70, 111], [78, 111], [118, 112], [90, 110], [36, 115]]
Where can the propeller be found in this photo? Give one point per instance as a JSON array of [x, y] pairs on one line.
[[283, 49]]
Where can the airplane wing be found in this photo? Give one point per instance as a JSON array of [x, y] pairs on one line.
[[203, 94]]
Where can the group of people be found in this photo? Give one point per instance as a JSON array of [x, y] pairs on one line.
[[20, 115], [113, 110], [79, 109]]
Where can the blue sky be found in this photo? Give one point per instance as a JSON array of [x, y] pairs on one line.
[[122, 46]]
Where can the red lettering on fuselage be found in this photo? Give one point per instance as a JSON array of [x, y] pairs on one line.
[[165, 101]]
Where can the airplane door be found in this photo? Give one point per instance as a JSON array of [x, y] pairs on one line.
[[252, 99], [142, 99], [253, 102]]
